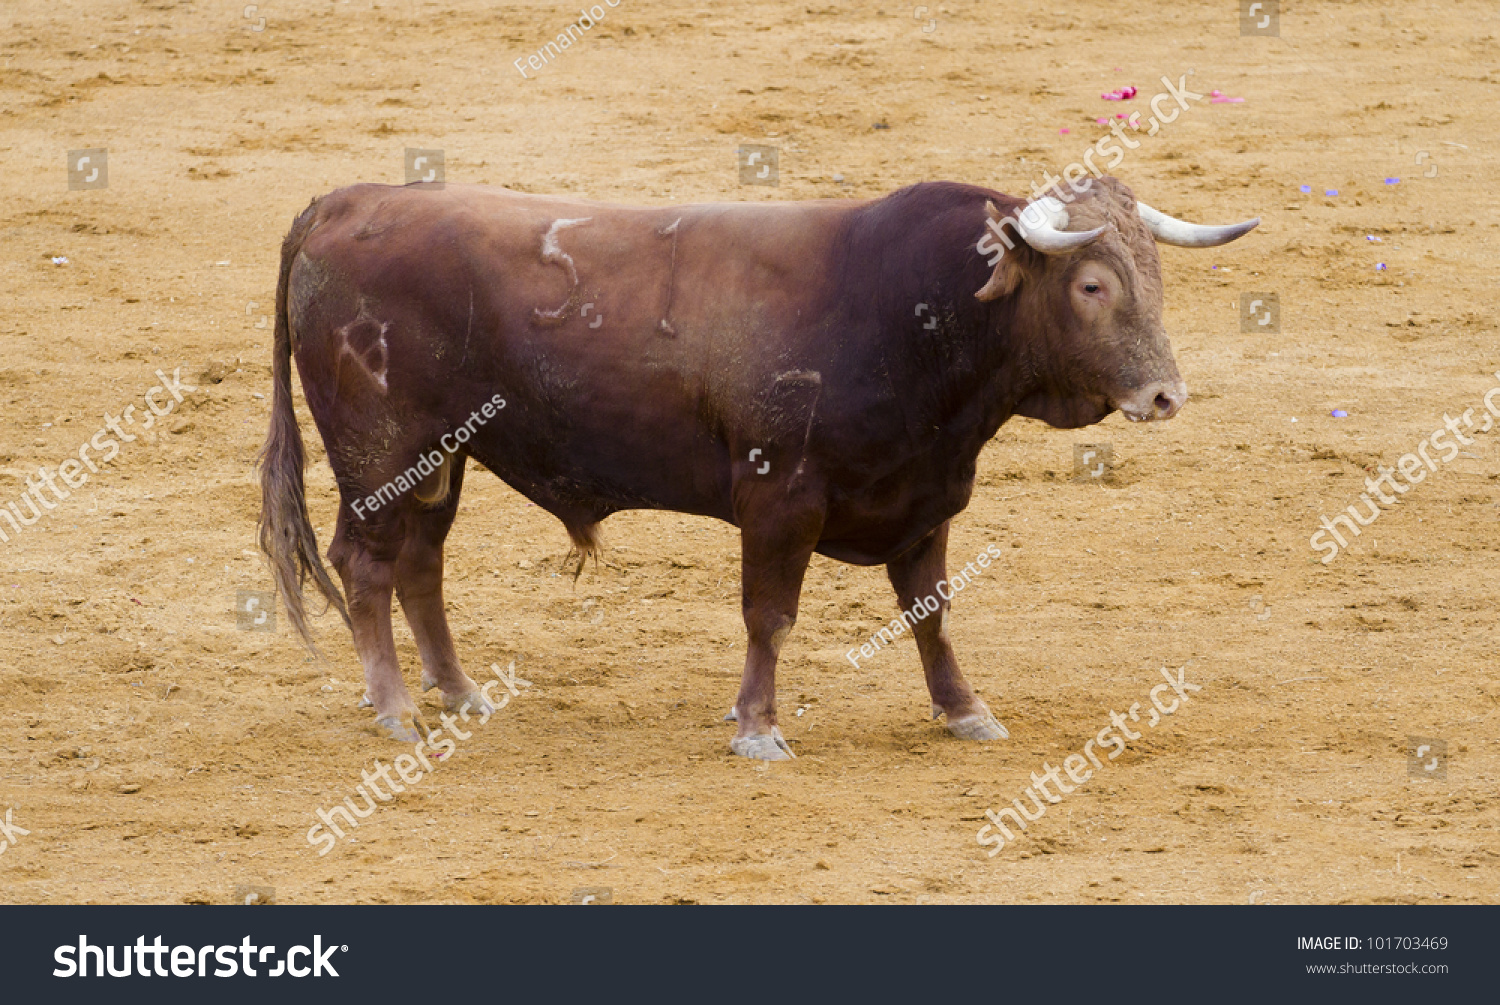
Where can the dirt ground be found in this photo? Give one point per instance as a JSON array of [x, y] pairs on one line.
[[155, 752]]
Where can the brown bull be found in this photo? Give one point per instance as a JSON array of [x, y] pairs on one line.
[[822, 375]]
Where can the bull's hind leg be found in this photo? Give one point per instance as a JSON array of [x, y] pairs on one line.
[[365, 557], [915, 575], [419, 585]]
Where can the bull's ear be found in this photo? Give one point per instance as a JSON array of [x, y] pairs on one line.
[[1013, 253], [1003, 281]]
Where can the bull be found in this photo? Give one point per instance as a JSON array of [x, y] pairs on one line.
[[821, 375]]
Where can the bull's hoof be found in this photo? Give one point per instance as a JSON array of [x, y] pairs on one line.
[[399, 727], [770, 746], [364, 701], [731, 716], [977, 726], [455, 701], [472, 701]]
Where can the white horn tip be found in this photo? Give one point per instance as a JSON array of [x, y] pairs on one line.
[[1170, 230]]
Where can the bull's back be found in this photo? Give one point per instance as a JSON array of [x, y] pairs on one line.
[[632, 345]]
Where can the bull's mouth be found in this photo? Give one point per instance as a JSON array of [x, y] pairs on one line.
[[1152, 402], [1157, 401], [1136, 415]]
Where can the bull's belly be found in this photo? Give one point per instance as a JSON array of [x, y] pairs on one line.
[[594, 476], [874, 527], [877, 546], [591, 480]]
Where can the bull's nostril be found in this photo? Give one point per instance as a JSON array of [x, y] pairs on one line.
[[1163, 403]]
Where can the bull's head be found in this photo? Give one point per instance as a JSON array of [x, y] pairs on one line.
[[1085, 283]]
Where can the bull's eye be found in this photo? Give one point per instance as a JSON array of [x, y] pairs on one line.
[[1091, 287]]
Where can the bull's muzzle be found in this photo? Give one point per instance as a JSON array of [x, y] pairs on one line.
[[1158, 400]]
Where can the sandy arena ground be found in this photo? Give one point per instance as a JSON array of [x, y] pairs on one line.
[[157, 753]]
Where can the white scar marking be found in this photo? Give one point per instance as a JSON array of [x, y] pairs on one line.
[[552, 254], [470, 329], [803, 379], [670, 230], [385, 356], [552, 251]]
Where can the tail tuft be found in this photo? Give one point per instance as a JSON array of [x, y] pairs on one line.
[[585, 538]]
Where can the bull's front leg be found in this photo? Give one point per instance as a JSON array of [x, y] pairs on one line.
[[916, 574], [775, 546]]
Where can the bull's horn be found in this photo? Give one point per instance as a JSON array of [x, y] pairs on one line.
[[1170, 230], [1041, 225]]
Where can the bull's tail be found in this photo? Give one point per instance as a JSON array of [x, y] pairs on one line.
[[286, 531]]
